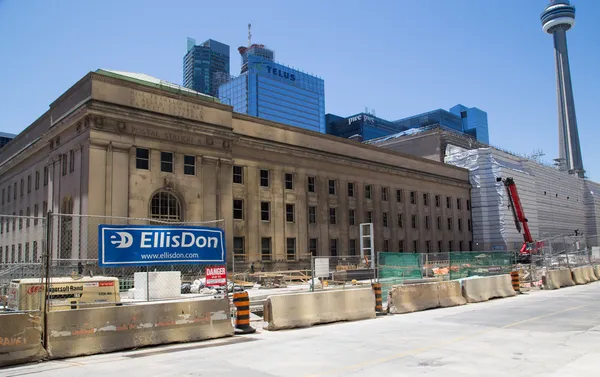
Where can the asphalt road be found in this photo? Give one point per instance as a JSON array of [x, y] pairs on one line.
[[546, 333]]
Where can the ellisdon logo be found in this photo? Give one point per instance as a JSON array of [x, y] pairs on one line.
[[124, 240]]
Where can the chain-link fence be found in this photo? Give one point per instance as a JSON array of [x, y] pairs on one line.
[[341, 272], [395, 268], [22, 244], [467, 264], [436, 265], [79, 281]]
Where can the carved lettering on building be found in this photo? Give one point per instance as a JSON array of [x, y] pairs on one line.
[[166, 135], [165, 105]]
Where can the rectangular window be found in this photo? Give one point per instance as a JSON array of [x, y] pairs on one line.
[[264, 178], [369, 217], [332, 187], [332, 216], [351, 215], [350, 189], [28, 214], [469, 228], [27, 252], [413, 199], [15, 191], [45, 176], [428, 246], [166, 162], [427, 225], [400, 220], [311, 184], [459, 225], [71, 161], [333, 249], [20, 255], [238, 209], [12, 254], [37, 180], [401, 246], [449, 223], [312, 247], [425, 199], [265, 248], [289, 213], [64, 164], [439, 222], [289, 181], [439, 245], [44, 208], [448, 202], [142, 161], [449, 245], [460, 246], [14, 221], [414, 221], [35, 214], [239, 249], [468, 205], [437, 200], [189, 165], [399, 195], [458, 203], [265, 211], [29, 183], [312, 215], [291, 249], [470, 245], [386, 245], [352, 247], [238, 175], [1, 231], [385, 219], [384, 194], [22, 187], [368, 192], [21, 219], [3, 192], [415, 246], [8, 196]]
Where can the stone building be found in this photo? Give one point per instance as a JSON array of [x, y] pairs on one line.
[[126, 145]]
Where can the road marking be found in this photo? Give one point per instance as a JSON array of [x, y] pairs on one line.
[[416, 351]]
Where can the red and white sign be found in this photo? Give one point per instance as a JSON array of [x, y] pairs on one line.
[[216, 276]]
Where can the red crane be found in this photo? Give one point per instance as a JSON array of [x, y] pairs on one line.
[[529, 245]]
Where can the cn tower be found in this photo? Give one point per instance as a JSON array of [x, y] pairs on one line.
[[558, 17]]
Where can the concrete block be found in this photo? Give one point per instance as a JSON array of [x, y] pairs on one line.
[[311, 308], [416, 297], [555, 279], [597, 271], [450, 294], [20, 338], [163, 284], [582, 275], [100, 330], [485, 288]]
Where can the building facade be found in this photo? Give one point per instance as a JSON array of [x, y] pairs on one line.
[[111, 148], [469, 121], [275, 92], [206, 66], [5, 138]]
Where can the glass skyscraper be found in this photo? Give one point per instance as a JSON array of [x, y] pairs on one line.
[[206, 66], [273, 91], [5, 138]]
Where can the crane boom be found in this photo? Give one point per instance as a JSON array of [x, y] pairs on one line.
[[518, 212]]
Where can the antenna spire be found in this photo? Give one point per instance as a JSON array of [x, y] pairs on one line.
[[249, 35]]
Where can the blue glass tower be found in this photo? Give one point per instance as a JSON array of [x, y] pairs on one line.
[[273, 91], [557, 18], [205, 66]]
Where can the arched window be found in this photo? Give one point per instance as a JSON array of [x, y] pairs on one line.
[[165, 206]]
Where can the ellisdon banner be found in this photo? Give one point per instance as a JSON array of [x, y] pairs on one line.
[[150, 245]]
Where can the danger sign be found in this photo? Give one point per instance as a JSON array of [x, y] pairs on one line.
[[216, 276]]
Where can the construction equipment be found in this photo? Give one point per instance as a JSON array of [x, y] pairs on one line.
[[529, 245]]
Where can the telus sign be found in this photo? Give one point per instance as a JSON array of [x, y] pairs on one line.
[[144, 245]]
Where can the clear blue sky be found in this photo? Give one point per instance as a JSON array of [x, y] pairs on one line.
[[398, 57]]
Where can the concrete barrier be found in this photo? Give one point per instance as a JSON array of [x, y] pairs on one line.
[[417, 297], [20, 338], [591, 274], [100, 330], [582, 275], [311, 308], [597, 271], [555, 279], [485, 288]]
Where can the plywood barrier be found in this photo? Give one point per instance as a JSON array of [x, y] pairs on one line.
[[555, 279], [20, 338], [311, 308], [485, 288], [417, 297], [100, 330], [582, 275]]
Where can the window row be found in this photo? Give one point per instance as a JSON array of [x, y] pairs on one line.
[[265, 181], [266, 248], [21, 253], [11, 192], [142, 161], [11, 222], [290, 216]]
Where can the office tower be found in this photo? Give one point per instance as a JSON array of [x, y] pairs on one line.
[[206, 66]]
